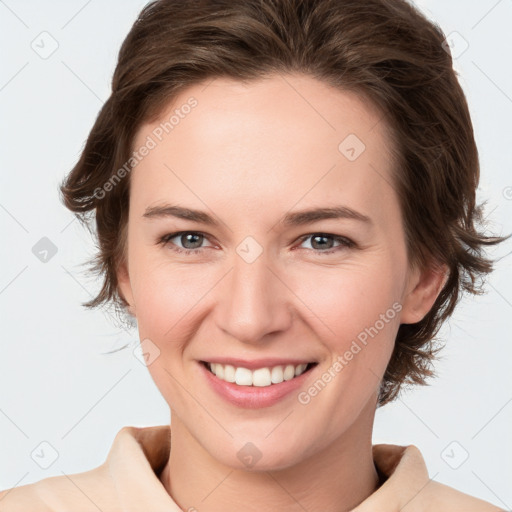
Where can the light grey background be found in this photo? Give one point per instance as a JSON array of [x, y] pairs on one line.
[[56, 384]]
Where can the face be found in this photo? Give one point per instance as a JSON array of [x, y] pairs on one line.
[[252, 282]]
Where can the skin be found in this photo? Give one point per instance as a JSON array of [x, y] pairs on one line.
[[247, 154]]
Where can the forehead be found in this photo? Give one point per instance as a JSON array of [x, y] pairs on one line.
[[278, 140]]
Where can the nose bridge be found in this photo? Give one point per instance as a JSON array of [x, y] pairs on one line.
[[253, 302]]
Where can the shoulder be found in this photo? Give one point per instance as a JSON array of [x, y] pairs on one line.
[[18, 499], [408, 485], [442, 497], [126, 476], [76, 492]]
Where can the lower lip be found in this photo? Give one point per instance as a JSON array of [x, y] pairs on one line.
[[253, 397]]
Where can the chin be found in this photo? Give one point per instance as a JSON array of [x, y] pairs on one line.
[[260, 454]]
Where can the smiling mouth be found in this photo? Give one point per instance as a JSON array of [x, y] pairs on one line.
[[260, 377]]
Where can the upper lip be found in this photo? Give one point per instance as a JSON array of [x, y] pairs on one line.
[[254, 364]]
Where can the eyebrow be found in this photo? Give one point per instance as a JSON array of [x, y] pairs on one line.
[[290, 219], [337, 212]]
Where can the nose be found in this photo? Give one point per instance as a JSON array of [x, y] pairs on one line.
[[253, 302]]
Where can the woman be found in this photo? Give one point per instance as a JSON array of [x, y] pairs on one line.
[[284, 194]]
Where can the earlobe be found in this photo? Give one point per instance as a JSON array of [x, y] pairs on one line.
[[124, 288], [424, 288]]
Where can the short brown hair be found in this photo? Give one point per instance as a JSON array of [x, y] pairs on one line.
[[384, 50]]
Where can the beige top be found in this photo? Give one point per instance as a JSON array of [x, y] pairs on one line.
[[128, 482]]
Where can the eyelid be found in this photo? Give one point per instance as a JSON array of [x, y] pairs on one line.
[[165, 239], [345, 242]]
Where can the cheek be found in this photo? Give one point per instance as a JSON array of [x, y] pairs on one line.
[[339, 308], [169, 311], [344, 301], [356, 317], [167, 300], [338, 303], [357, 314]]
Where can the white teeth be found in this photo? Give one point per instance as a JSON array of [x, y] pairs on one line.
[[277, 375], [300, 369], [243, 377], [289, 372], [229, 373], [262, 377], [219, 371]]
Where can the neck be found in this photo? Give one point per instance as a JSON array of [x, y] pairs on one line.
[[337, 478]]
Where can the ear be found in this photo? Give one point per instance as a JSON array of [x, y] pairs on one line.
[[423, 288], [125, 288]]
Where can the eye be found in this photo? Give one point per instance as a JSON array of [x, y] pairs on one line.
[[323, 241], [192, 241]]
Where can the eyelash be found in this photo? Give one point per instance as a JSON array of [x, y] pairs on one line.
[[345, 243]]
